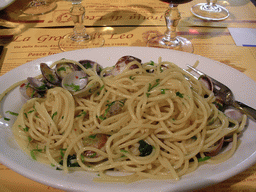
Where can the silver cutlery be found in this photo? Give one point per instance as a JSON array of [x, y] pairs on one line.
[[226, 95]]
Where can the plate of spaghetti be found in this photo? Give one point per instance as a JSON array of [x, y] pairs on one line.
[[124, 119]]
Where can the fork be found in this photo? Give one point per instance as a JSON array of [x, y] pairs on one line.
[[226, 95]]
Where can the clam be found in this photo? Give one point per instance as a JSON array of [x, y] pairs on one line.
[[218, 145], [90, 64], [63, 69], [207, 82], [233, 113], [229, 111], [122, 63], [75, 81], [29, 92], [97, 141], [88, 90], [50, 74], [37, 84]]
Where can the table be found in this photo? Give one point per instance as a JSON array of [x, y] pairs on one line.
[[126, 23]]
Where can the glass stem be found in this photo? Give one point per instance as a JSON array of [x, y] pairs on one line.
[[77, 12], [172, 17], [211, 2]]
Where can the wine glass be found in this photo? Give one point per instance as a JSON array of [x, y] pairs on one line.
[[79, 39], [170, 40], [210, 11], [39, 7]]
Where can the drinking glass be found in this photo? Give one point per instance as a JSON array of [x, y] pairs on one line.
[[210, 11], [39, 7], [79, 39], [170, 40]]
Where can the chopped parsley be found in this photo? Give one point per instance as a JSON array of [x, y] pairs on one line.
[[62, 152], [211, 122], [179, 94], [102, 87], [54, 114], [123, 151], [144, 148], [163, 91], [42, 87], [25, 129], [203, 158], [87, 65], [12, 113], [152, 63], [29, 139], [92, 136], [150, 87], [92, 155], [73, 87], [71, 161], [51, 78], [7, 119], [83, 113], [61, 69], [32, 152]]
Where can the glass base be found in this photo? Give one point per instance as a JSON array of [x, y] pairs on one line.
[[39, 7], [180, 43], [69, 42], [209, 12]]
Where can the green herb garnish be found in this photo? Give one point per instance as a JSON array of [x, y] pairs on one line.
[[25, 129], [61, 69], [32, 152], [203, 158], [179, 94], [62, 152], [54, 114], [123, 151], [92, 136], [12, 113], [144, 148], [73, 86], [152, 63], [163, 91]]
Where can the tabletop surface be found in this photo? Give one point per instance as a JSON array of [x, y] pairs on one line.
[[24, 38]]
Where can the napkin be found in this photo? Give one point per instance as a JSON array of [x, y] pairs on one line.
[[245, 37]]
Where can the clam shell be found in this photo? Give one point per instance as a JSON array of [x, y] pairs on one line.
[[64, 68], [49, 74], [90, 64], [37, 84], [75, 81], [122, 63], [88, 90]]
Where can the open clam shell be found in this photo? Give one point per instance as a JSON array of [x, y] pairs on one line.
[[123, 62], [88, 90], [28, 92], [64, 68], [75, 81], [49, 74], [88, 64], [37, 84]]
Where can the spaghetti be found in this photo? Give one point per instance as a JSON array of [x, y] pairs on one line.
[[151, 122]]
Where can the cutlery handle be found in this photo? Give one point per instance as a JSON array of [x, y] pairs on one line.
[[245, 109]]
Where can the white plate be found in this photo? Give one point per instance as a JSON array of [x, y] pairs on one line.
[[5, 3], [10, 155]]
